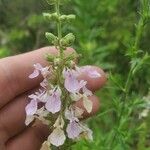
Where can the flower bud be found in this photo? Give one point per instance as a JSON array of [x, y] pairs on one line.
[[47, 16], [67, 40], [51, 38], [53, 17], [67, 18], [71, 17], [63, 18]]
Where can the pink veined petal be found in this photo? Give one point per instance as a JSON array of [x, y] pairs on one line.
[[57, 137], [53, 105], [31, 108], [34, 74], [72, 84], [73, 130]]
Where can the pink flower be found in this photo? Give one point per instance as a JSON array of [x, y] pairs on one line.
[[53, 104], [73, 129], [31, 108], [71, 82], [90, 71], [39, 69]]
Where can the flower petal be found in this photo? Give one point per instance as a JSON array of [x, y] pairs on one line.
[[34, 74], [86, 132], [31, 108], [90, 71], [57, 137], [53, 105], [71, 82], [45, 146], [86, 91], [75, 96], [73, 130], [28, 120], [44, 97], [88, 105]]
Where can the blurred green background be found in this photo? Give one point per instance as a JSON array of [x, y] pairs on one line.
[[104, 31]]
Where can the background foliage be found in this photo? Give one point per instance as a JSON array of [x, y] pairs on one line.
[[106, 33]]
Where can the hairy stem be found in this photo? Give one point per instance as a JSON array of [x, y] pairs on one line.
[[59, 28]]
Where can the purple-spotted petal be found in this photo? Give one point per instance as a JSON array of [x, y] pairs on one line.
[[31, 108], [73, 130]]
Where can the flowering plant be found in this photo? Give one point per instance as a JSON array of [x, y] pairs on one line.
[[53, 104]]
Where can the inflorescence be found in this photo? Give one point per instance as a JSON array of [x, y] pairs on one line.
[[53, 104]]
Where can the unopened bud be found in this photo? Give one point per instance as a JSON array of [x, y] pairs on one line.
[[67, 40], [54, 16], [51, 38], [48, 16], [67, 18], [71, 17]]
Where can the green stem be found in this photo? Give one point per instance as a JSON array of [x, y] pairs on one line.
[[139, 31], [59, 28]]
